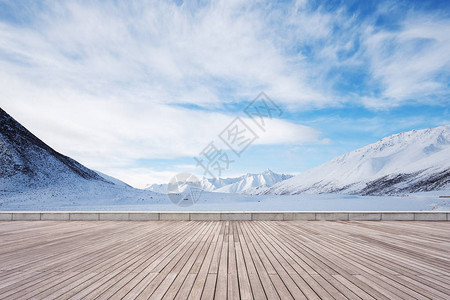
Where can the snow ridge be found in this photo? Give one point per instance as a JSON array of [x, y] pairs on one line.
[[408, 162], [27, 162], [246, 184]]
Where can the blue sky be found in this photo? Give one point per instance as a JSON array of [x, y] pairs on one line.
[[138, 90]]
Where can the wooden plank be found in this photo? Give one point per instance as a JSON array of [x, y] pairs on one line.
[[210, 287], [140, 262], [197, 288], [266, 279], [222, 275], [224, 260], [324, 266], [183, 274], [282, 268], [232, 282], [255, 282]]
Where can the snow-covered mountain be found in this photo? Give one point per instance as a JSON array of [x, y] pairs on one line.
[[26, 162], [408, 162], [249, 183], [34, 176]]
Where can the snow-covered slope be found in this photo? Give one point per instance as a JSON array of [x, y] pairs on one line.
[[408, 162], [113, 180], [26, 162], [249, 183], [34, 176]]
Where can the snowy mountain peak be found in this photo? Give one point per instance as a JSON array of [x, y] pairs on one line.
[[417, 160], [439, 135], [268, 172]]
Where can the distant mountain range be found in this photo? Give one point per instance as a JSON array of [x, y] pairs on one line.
[[408, 162], [248, 184]]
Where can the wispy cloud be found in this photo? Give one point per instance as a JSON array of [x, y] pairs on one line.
[[413, 63], [128, 80], [159, 52]]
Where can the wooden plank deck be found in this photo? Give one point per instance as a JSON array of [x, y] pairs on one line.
[[224, 260]]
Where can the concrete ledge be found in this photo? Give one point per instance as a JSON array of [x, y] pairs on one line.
[[6, 216], [364, 216], [84, 216], [397, 216], [184, 216], [236, 216], [430, 216], [338, 216], [226, 216], [267, 217], [204, 216], [28, 216], [143, 216], [55, 216], [113, 217], [299, 216]]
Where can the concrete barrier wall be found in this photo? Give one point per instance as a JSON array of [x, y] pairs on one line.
[[225, 216]]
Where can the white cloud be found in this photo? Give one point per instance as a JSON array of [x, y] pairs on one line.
[[107, 133], [413, 63], [219, 52], [159, 52], [111, 83]]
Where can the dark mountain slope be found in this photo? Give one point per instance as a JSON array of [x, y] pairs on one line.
[[26, 161]]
